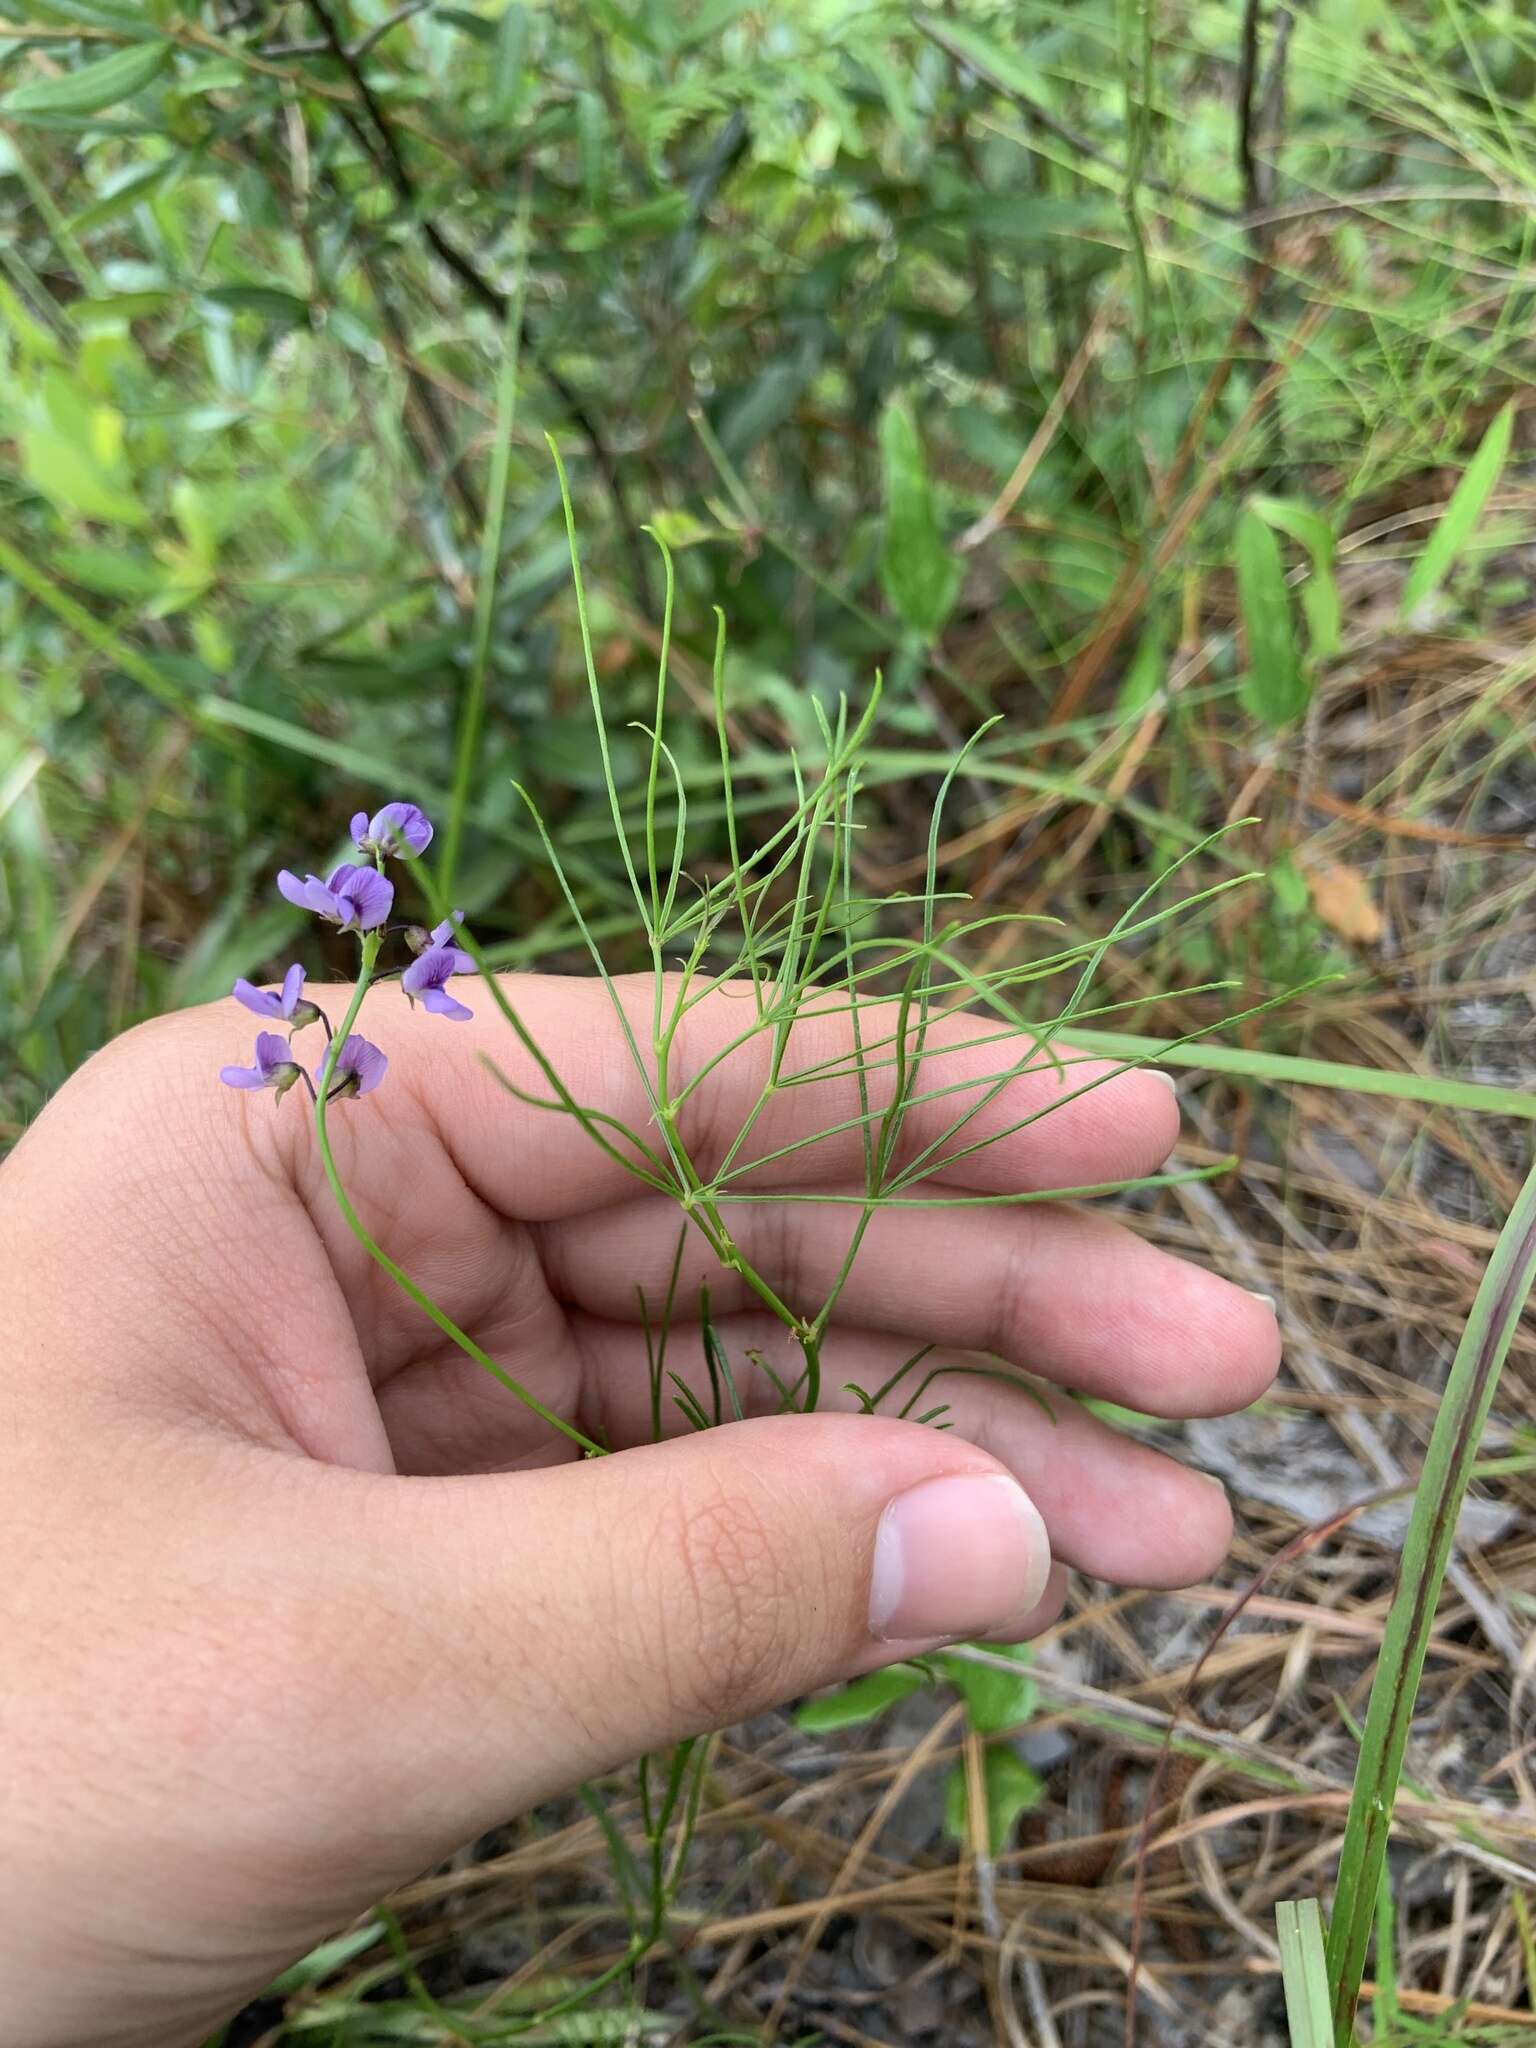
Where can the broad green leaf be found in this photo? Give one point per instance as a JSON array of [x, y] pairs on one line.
[[1275, 688], [1010, 1788], [768, 401], [222, 75], [197, 518], [469, 23], [632, 223], [1289, 884], [90, 87], [592, 147], [1461, 515], [864, 1700], [119, 195], [512, 32], [265, 300], [34, 338], [123, 21], [112, 571], [1320, 592], [1040, 227], [71, 450], [708, 18], [995, 1700], [682, 529], [919, 575]]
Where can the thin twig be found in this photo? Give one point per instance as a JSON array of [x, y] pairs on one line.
[[358, 50], [388, 156], [936, 32]]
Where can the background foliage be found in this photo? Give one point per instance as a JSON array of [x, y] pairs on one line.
[[1153, 375], [803, 286]]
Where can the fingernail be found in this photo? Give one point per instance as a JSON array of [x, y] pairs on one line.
[[1167, 1080], [1208, 1479], [1267, 1299], [955, 1557]]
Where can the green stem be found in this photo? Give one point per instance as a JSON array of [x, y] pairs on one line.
[[376, 1252]]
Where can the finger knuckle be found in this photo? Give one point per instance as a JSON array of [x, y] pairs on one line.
[[733, 1620]]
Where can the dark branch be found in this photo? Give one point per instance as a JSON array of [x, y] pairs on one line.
[[386, 153], [360, 48]]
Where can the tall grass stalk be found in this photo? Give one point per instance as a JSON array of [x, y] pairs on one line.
[[1410, 1622]]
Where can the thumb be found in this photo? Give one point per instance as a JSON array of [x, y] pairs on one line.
[[582, 1615]]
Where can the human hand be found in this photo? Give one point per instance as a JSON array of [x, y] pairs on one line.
[[297, 1599]]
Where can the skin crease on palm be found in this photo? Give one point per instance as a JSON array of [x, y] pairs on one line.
[[297, 1599]]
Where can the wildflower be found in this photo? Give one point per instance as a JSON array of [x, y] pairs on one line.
[[287, 1002], [360, 1067], [419, 939], [430, 970], [356, 898], [275, 1066], [398, 828]]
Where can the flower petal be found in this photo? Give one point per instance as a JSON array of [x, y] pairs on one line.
[[442, 1004], [242, 1077], [401, 828], [360, 1057], [260, 1000], [360, 830], [293, 988], [272, 1052], [374, 896], [359, 897], [301, 893]]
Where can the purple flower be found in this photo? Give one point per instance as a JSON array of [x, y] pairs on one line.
[[427, 973], [418, 938], [360, 1066], [275, 1066], [356, 898], [287, 1002], [398, 828]]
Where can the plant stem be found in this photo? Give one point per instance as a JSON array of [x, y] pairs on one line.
[[376, 1252]]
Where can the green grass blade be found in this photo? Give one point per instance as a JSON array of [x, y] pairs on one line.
[[1304, 1971], [1426, 1550], [1461, 515], [1439, 1091]]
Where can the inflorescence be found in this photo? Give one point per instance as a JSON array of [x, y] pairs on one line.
[[358, 897]]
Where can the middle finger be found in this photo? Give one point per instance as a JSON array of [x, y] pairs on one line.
[[1051, 1287]]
